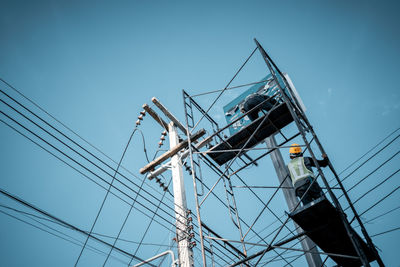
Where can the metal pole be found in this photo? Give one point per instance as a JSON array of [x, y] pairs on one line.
[[185, 253], [312, 257]]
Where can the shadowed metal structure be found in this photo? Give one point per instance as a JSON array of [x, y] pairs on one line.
[[322, 221], [277, 118]]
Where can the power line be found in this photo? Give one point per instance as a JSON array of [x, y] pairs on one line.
[[68, 128], [362, 164], [46, 112], [81, 156], [137, 192], [86, 176], [70, 139], [369, 174], [31, 206], [79, 165], [123, 224], [60, 224], [147, 228], [228, 88], [56, 235], [105, 197], [381, 215], [350, 165], [375, 170], [379, 201], [75, 242], [385, 232], [144, 206], [113, 176], [75, 133], [25, 127], [375, 146], [375, 187], [139, 203]]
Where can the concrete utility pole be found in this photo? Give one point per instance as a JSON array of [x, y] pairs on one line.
[[185, 253], [313, 258]]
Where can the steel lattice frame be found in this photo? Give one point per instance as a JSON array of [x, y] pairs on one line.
[[305, 130]]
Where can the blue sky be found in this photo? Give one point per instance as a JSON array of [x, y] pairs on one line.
[[92, 64]]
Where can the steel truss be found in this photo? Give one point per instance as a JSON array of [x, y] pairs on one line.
[[309, 137]]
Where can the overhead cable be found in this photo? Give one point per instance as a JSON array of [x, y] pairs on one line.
[[68, 128], [81, 165], [31, 206], [75, 151], [76, 242], [86, 176], [379, 201]]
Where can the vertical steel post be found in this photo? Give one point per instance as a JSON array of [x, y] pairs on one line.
[[196, 197], [312, 257], [292, 109], [185, 253]]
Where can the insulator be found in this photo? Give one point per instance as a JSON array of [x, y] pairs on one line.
[[174, 239], [190, 219], [138, 122], [162, 137], [190, 227], [158, 180], [191, 235], [193, 243], [143, 113], [140, 117], [188, 212], [160, 143], [162, 184], [190, 172], [165, 188], [164, 133]]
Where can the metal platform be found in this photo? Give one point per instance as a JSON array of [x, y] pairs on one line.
[[322, 223], [277, 118]]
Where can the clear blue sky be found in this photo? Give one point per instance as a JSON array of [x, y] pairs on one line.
[[92, 64]]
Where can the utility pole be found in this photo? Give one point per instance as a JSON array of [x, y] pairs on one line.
[[313, 258], [183, 231], [185, 253]]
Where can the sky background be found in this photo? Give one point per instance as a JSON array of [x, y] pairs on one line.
[[92, 64]]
